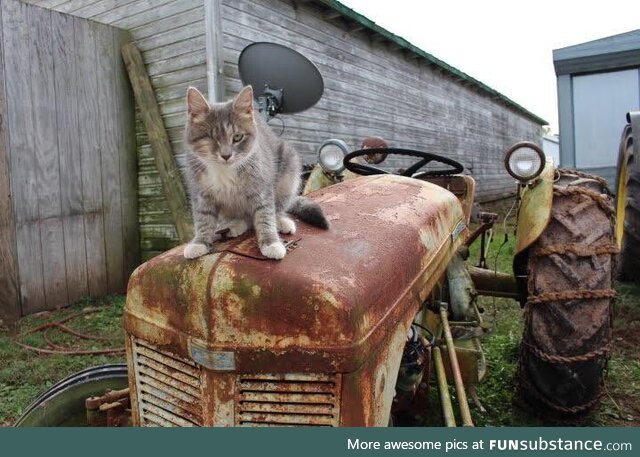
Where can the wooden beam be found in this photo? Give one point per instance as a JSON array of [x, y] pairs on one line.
[[172, 185], [128, 160]]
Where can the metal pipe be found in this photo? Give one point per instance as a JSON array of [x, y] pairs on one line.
[[493, 283], [465, 413], [443, 388], [214, 50]]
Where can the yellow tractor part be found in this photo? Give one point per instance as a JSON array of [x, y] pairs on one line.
[[319, 179], [535, 208], [621, 201]]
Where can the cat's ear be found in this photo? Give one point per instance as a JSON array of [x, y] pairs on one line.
[[243, 103], [197, 105]]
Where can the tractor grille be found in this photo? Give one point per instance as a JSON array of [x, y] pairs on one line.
[[168, 388], [288, 400]]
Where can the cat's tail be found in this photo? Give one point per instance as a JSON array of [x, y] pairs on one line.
[[309, 211]]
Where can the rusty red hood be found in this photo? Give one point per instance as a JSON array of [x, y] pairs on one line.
[[336, 295]]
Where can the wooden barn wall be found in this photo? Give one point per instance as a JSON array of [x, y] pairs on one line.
[[70, 147], [171, 37], [370, 89]]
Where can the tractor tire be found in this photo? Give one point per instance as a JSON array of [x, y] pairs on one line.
[[628, 210], [568, 312]]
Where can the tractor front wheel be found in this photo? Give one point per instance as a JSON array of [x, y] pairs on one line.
[[567, 315]]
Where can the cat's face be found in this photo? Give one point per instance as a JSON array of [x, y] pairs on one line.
[[224, 133]]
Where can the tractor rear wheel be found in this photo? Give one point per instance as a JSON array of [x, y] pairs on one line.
[[628, 210], [568, 312]]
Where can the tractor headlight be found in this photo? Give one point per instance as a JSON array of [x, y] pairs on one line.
[[524, 161], [331, 154]]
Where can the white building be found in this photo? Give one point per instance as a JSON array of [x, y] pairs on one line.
[[551, 147], [598, 83]]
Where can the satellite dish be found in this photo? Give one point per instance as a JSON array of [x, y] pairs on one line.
[[283, 80]]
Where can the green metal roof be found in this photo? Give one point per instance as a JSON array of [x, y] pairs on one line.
[[354, 16]]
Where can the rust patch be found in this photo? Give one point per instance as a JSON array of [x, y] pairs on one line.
[[463, 187], [288, 399], [327, 305], [167, 386]]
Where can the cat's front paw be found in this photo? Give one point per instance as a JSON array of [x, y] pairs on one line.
[[286, 225], [237, 228], [195, 250], [274, 251]]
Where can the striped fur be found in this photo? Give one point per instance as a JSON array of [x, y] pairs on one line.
[[241, 175]]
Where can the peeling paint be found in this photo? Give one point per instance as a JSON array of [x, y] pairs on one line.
[[338, 303]]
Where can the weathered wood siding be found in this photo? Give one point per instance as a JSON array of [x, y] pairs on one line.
[[171, 37], [372, 87], [9, 289], [70, 150]]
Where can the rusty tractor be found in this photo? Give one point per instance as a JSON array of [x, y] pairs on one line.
[[353, 324]]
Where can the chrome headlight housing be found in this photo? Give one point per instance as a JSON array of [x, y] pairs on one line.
[[524, 161], [331, 155]]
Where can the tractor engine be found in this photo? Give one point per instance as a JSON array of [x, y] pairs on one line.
[[316, 339]]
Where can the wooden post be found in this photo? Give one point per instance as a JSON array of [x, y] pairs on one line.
[[172, 185], [128, 161]]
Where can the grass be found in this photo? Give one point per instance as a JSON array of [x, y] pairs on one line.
[[496, 391], [25, 374], [621, 404]]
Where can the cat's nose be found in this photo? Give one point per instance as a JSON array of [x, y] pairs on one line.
[[225, 156]]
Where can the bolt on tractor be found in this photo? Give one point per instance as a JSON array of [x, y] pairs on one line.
[[350, 328]]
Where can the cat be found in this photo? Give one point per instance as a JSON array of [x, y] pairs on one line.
[[241, 175]]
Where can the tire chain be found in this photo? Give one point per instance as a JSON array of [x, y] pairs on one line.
[[603, 201]]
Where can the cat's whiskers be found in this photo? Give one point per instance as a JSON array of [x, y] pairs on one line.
[[200, 167]]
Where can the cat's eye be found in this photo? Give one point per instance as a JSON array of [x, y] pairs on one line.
[[237, 137]]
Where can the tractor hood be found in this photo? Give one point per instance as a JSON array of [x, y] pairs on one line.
[[336, 296]]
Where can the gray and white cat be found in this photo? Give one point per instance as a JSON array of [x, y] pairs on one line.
[[240, 174]]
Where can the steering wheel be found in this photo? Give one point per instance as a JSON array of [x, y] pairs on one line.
[[425, 158]]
